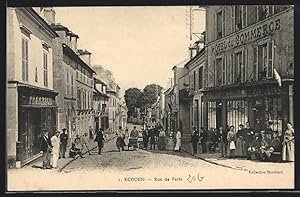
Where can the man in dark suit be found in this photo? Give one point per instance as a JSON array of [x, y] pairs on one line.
[[63, 143], [203, 138], [194, 140], [254, 146], [46, 149]]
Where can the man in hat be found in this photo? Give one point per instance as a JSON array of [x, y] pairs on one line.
[[77, 142], [273, 152], [254, 146], [264, 145], [46, 149], [55, 149], [63, 143]]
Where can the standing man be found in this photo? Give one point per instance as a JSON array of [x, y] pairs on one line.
[[194, 140], [46, 149], [203, 137], [63, 143], [99, 139], [55, 150], [152, 138], [209, 140], [145, 138], [85, 140], [223, 141], [134, 137]]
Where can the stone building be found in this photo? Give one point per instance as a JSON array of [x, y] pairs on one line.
[[31, 106], [65, 61], [113, 91], [100, 105], [250, 57]]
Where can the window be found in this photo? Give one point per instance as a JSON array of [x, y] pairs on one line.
[[194, 75], [232, 19], [72, 86], [240, 17], [254, 74], [224, 71], [265, 60], [229, 69], [78, 98], [218, 73], [45, 58], [67, 84], [24, 59], [220, 24], [237, 113], [264, 11], [238, 59], [201, 77]]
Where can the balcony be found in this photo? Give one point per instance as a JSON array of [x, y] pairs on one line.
[[186, 93]]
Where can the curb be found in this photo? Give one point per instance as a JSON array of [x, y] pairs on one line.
[[212, 162], [65, 165]]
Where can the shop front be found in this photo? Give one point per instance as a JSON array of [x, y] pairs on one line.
[[264, 105], [37, 112]]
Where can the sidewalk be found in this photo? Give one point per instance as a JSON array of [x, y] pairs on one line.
[[62, 162]]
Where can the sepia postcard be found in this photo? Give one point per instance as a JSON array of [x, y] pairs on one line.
[[150, 98]]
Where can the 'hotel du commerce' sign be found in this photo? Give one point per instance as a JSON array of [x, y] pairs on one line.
[[255, 32]]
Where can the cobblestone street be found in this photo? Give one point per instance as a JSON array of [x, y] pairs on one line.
[[144, 169]]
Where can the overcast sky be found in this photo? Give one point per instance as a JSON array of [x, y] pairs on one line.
[[139, 45]]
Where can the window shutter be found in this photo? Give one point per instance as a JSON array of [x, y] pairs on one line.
[[255, 64], [215, 26], [225, 69], [246, 65], [232, 19], [223, 23], [233, 69]]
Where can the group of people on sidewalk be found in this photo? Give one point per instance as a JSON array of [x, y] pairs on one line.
[[153, 138], [264, 145], [55, 148]]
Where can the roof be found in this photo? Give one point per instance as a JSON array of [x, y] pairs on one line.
[[72, 54], [201, 52], [41, 21], [60, 27], [100, 93], [100, 81], [83, 52]]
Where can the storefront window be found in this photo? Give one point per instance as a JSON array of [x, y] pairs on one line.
[[273, 114], [211, 115], [237, 113]]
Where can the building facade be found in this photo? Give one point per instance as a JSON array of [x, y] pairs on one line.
[[31, 97], [114, 107], [85, 91], [250, 71], [65, 61], [100, 105]]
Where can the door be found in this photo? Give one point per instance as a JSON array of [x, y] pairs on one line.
[[219, 114]]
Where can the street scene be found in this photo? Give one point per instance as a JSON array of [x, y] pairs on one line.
[[182, 97]]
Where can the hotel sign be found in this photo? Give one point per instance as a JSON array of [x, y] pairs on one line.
[[250, 34]]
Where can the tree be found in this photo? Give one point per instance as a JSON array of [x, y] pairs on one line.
[[150, 95], [132, 99]]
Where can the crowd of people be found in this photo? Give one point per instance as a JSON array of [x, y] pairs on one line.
[[264, 145], [55, 148]]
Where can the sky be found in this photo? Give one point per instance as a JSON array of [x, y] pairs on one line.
[[140, 45]]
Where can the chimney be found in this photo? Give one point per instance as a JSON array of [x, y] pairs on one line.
[[49, 14], [85, 56]]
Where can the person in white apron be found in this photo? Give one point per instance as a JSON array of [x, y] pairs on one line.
[[178, 141], [55, 149]]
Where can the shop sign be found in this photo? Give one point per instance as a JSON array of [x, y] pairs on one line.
[[37, 100], [248, 35]]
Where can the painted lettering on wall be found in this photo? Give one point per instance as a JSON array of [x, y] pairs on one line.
[[248, 35], [37, 100]]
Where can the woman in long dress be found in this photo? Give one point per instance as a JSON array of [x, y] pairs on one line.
[[240, 142], [288, 150], [161, 143], [178, 141], [231, 138]]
